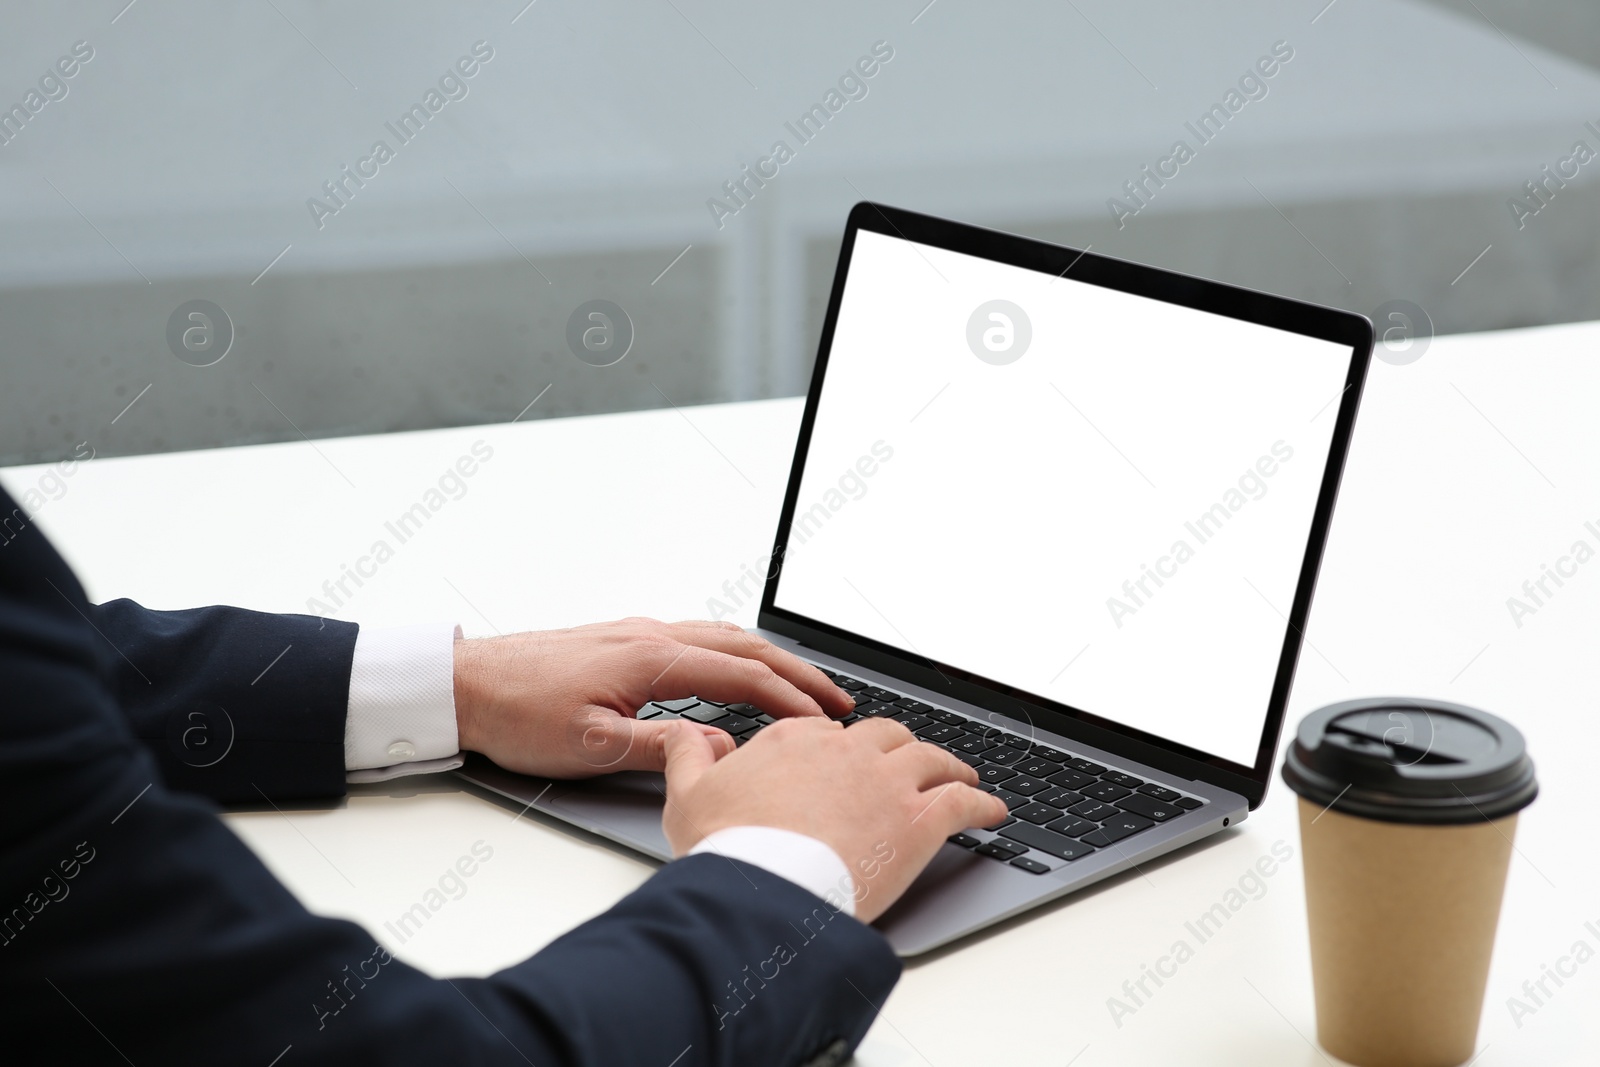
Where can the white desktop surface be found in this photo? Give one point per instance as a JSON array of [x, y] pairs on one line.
[[1470, 469]]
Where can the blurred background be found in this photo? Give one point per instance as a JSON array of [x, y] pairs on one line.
[[204, 244]]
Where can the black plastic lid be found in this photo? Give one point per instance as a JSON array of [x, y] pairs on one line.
[[1408, 760]]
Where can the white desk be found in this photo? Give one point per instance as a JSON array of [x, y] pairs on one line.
[[572, 520]]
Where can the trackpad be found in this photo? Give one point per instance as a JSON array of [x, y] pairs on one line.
[[624, 807]]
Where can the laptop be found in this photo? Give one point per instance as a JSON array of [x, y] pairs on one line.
[[1060, 515]]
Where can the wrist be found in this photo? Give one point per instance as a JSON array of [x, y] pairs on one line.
[[469, 688]]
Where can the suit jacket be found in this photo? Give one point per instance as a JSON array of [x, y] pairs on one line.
[[134, 926]]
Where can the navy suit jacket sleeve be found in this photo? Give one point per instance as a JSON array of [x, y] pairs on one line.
[[235, 705], [135, 927]]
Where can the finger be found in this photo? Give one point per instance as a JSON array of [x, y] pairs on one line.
[[722, 742], [884, 734], [617, 743], [736, 641], [686, 755], [718, 676], [932, 766], [955, 806], [604, 741], [794, 723], [728, 638]]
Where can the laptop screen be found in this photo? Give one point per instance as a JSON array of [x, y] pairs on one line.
[[1094, 497]]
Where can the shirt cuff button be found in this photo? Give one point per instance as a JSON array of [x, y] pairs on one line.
[[402, 750]]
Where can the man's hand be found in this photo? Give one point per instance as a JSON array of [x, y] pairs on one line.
[[560, 703], [878, 797]]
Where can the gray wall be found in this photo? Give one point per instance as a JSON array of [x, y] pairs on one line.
[[1568, 27], [580, 162]]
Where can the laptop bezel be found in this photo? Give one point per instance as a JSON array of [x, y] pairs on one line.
[[1075, 723]]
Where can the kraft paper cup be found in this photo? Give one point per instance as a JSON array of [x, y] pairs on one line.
[[1408, 810]]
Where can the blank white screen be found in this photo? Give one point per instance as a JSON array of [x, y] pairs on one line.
[[988, 516]]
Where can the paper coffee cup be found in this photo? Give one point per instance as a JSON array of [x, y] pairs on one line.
[[1407, 813]]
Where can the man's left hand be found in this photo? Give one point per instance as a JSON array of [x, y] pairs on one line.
[[560, 703]]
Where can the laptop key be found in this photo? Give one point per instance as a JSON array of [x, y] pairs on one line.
[[993, 774], [1188, 803], [880, 693], [704, 713], [1072, 826], [852, 684], [1038, 768], [1126, 781], [964, 840], [1059, 798], [1017, 741], [1047, 841], [1032, 866], [1038, 813], [911, 720], [949, 718], [1005, 757], [1052, 755], [1013, 801], [971, 761], [1117, 828], [1078, 763], [971, 745], [1000, 849], [1094, 811], [649, 711], [862, 700], [1149, 807], [1150, 789], [939, 733], [1025, 785], [1070, 779], [743, 709], [734, 724], [1104, 791]]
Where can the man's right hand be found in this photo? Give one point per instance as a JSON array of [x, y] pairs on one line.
[[877, 796]]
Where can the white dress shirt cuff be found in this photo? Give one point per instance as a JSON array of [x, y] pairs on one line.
[[401, 717], [800, 858]]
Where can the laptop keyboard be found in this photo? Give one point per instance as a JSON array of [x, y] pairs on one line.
[[1062, 807]]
